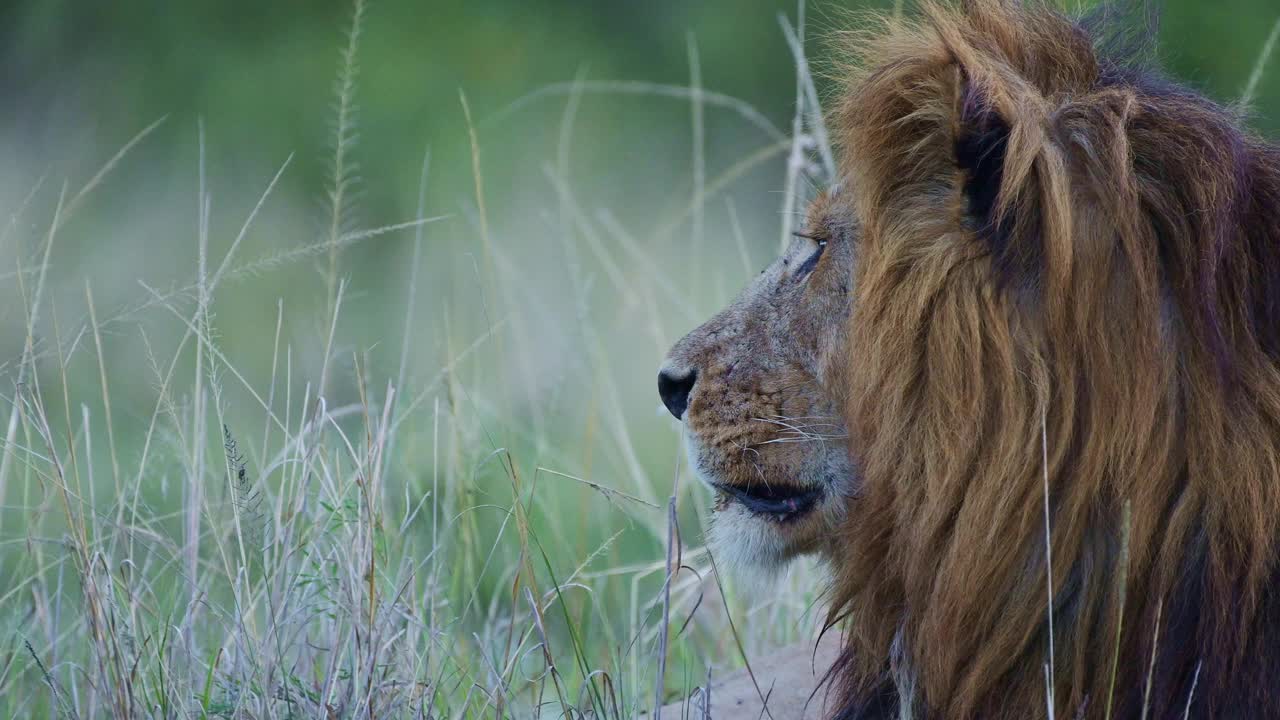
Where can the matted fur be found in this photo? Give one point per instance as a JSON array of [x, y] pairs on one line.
[[1061, 249]]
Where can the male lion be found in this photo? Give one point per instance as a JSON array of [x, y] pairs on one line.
[[1065, 324]]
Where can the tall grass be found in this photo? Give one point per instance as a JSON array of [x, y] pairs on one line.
[[452, 537]]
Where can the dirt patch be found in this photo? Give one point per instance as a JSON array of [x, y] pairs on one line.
[[788, 679]]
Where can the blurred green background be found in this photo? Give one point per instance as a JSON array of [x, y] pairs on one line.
[[81, 78]]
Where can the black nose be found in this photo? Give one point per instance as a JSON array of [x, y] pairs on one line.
[[675, 388]]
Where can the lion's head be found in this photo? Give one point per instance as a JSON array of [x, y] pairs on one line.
[[762, 429], [1059, 374]]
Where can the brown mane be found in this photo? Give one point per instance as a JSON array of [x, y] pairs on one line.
[[1063, 255]]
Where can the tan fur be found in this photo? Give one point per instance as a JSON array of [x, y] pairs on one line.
[[1130, 348]]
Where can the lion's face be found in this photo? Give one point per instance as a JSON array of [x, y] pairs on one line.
[[752, 387]]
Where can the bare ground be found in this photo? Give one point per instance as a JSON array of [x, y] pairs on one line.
[[788, 679]]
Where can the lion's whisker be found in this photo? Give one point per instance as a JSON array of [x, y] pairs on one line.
[[783, 422], [803, 432], [821, 438]]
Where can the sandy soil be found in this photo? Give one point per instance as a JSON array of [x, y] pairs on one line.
[[787, 679]]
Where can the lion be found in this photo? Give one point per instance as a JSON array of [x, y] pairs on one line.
[[1058, 370]]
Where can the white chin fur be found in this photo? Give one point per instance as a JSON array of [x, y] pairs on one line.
[[750, 548], [747, 546]]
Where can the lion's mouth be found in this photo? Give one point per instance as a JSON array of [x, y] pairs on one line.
[[781, 503]]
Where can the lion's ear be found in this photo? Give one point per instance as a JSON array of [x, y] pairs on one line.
[[983, 155], [981, 140]]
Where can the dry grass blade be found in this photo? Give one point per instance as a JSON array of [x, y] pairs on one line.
[[737, 639], [795, 159], [1255, 76], [1050, 670], [1122, 586], [1191, 694], [1151, 665], [602, 489], [677, 92], [673, 564], [106, 169], [816, 122]]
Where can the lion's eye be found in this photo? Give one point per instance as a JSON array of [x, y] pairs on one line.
[[811, 261]]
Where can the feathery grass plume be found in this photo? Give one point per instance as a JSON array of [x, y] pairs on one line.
[[247, 498], [59, 696], [344, 175]]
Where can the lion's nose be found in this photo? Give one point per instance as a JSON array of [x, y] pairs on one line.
[[674, 387]]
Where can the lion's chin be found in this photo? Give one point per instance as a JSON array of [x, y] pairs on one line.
[[757, 531], [757, 548]]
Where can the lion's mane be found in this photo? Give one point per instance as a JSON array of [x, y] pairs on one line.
[[1069, 279]]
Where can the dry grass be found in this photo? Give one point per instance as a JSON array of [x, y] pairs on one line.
[[331, 540]]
